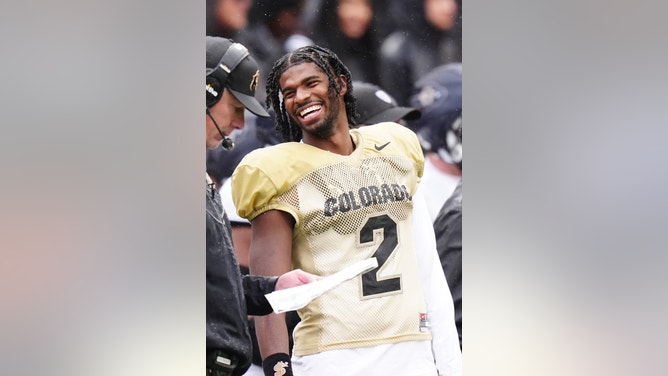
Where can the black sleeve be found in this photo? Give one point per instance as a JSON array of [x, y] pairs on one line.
[[448, 230], [255, 287], [449, 245]]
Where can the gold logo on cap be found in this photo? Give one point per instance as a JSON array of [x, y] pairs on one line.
[[255, 80]]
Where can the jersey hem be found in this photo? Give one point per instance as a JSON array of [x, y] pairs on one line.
[[303, 351]]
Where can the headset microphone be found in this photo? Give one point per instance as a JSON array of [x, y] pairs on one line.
[[227, 142]]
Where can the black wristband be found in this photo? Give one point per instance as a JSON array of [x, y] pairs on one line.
[[277, 365]]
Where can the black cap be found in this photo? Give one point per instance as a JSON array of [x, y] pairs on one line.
[[229, 65], [375, 105]]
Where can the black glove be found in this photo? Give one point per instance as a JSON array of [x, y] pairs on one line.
[[277, 365]]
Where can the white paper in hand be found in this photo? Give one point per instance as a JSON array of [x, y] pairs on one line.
[[297, 297]]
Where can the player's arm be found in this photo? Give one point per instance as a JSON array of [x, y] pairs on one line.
[[270, 255], [440, 307]]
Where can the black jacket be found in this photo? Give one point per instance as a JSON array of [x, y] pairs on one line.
[[229, 298], [448, 229]]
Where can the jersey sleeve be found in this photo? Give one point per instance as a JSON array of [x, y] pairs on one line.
[[252, 190]]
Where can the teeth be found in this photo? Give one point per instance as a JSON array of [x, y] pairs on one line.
[[309, 109]]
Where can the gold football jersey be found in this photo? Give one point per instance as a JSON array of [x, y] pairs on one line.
[[347, 209]]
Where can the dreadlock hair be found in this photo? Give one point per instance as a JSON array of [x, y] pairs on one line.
[[329, 63]]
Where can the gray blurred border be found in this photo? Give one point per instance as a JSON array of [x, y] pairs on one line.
[[564, 246], [102, 157]]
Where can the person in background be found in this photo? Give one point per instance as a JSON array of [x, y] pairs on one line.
[[429, 36], [332, 195], [225, 18], [229, 296], [350, 29], [438, 95], [448, 231], [275, 28]]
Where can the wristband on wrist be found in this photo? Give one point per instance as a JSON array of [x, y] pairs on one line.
[[277, 365]]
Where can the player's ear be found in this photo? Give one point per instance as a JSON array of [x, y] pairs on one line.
[[342, 85]]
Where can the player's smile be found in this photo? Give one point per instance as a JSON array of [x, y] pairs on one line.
[[309, 111]]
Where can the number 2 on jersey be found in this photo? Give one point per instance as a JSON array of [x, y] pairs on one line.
[[371, 285]]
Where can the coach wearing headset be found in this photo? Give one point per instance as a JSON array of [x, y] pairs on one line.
[[231, 78]]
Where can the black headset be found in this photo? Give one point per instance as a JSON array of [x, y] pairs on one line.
[[216, 79]]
